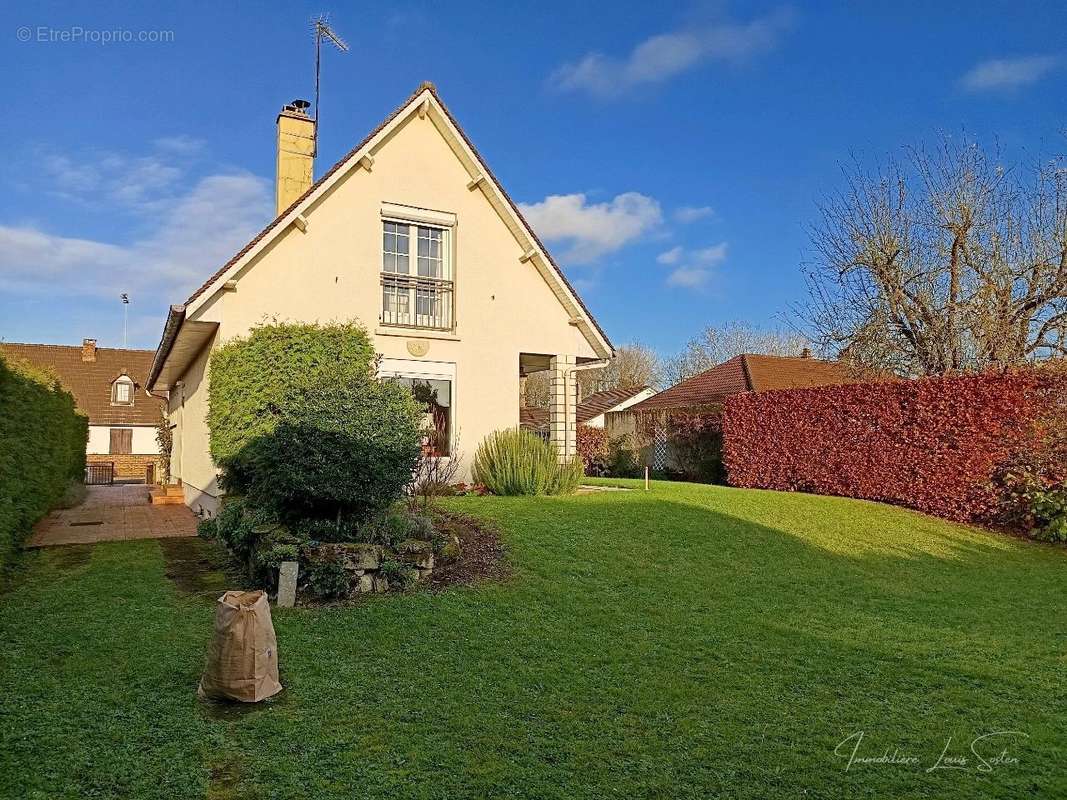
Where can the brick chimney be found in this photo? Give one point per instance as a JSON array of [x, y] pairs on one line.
[[805, 353], [88, 349], [296, 154]]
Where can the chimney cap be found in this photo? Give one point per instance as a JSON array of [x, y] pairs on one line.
[[805, 353], [297, 106]]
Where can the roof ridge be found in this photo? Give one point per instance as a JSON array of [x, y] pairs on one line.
[[76, 347], [748, 372], [425, 86]]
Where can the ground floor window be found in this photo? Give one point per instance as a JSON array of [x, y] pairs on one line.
[[121, 441], [435, 397]]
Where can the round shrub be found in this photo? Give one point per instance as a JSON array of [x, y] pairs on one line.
[[302, 426], [516, 462]]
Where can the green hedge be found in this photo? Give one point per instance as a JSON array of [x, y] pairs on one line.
[[42, 448], [302, 427]]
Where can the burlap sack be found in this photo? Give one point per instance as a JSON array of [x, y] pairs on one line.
[[242, 659]]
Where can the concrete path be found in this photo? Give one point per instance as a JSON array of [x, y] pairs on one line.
[[110, 514]]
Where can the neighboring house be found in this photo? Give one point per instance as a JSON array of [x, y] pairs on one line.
[[708, 390], [591, 411], [746, 373], [410, 234], [108, 387]]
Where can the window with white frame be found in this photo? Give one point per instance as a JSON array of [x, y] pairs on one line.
[[416, 276], [122, 391], [433, 385]]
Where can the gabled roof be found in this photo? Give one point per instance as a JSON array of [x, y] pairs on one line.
[[593, 406], [748, 372], [90, 381], [601, 402], [422, 94]]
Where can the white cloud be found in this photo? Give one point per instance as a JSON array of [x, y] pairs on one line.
[[661, 57], [197, 233], [688, 277], [687, 214], [711, 255], [1008, 73], [182, 144], [591, 230], [133, 183], [698, 265], [672, 256]]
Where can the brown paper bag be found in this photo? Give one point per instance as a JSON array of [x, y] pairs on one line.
[[242, 659]]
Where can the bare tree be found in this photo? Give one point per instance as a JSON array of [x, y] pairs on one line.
[[947, 261], [716, 344], [634, 365]]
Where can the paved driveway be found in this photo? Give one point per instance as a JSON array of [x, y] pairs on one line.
[[113, 513]]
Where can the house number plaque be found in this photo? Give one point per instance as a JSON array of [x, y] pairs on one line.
[[418, 347]]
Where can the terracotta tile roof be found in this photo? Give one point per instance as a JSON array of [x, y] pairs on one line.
[[593, 406], [744, 373], [90, 381], [599, 402], [433, 90], [533, 417]]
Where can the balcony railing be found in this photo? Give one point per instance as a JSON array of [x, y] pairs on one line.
[[411, 301]]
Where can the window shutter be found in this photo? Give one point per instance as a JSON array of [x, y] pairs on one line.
[[121, 441]]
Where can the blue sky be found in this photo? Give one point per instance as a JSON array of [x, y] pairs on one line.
[[672, 155]]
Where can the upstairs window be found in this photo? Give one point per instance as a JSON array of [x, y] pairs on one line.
[[416, 276], [122, 391]]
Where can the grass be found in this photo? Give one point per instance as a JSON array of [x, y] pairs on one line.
[[688, 642]]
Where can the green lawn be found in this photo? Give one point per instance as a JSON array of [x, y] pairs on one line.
[[688, 642]]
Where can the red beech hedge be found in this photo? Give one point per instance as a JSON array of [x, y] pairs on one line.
[[931, 444]]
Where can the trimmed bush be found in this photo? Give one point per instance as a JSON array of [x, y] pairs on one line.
[[592, 445], [517, 462], [696, 444], [623, 457], [932, 444], [304, 429], [42, 448]]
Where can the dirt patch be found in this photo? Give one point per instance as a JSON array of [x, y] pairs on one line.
[[233, 711], [198, 567], [225, 780], [482, 554], [70, 557]]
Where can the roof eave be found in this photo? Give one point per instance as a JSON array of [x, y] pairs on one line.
[[175, 317]]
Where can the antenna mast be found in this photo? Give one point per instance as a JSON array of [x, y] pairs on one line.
[[323, 31], [125, 315]]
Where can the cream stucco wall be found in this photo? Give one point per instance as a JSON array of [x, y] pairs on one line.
[[190, 457], [331, 272], [144, 439]]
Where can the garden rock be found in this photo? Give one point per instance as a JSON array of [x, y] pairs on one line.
[[362, 556], [416, 553], [287, 574]]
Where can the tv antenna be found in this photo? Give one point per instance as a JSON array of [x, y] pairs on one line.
[[125, 298], [323, 31]]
